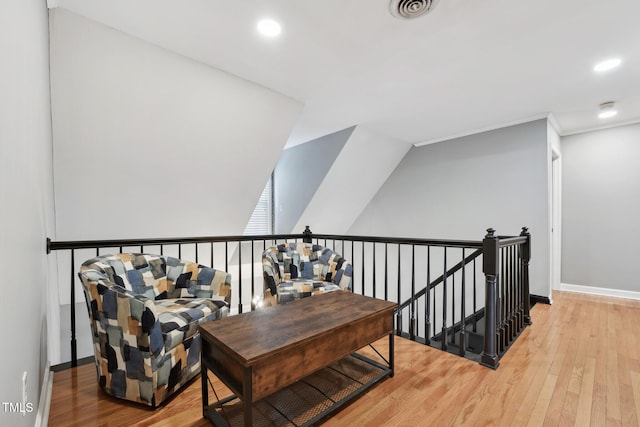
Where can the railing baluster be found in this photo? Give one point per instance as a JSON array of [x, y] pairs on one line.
[[512, 293], [353, 268], [374, 270], [362, 270], [463, 324], [453, 307], [240, 276], [74, 347], [502, 301], [427, 302], [412, 309], [386, 272], [475, 297], [435, 309], [443, 338], [400, 326], [253, 276]]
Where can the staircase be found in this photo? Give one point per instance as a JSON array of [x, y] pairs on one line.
[[506, 301]]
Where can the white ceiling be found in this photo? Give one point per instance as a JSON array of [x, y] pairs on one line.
[[465, 67]]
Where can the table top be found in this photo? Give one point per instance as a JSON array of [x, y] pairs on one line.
[[252, 336]]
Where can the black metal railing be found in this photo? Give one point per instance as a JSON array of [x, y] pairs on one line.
[[436, 283]]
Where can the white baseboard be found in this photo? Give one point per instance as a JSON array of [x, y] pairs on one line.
[[42, 416], [607, 292]]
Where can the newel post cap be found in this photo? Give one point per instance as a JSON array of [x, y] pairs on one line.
[[491, 233]]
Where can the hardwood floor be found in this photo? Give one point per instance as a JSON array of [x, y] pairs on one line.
[[577, 365]]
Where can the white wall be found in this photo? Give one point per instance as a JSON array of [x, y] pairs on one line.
[[26, 197], [149, 143], [459, 188], [600, 211]]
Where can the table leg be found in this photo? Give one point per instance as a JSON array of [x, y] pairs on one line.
[[248, 398], [391, 354], [205, 389]]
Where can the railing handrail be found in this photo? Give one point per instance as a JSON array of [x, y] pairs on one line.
[[511, 240], [440, 279], [114, 243], [402, 240]]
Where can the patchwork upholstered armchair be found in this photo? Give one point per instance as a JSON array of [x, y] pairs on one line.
[[144, 312], [297, 270]]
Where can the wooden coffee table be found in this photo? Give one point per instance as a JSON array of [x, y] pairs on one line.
[[291, 351]]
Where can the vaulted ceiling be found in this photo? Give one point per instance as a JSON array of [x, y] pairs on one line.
[[464, 67]]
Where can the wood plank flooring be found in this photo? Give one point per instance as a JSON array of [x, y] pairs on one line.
[[577, 365]]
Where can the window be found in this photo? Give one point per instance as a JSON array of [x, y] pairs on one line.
[[261, 221]]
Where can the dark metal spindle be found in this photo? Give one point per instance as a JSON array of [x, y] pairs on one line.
[[502, 302], [353, 269], [453, 306], [240, 276], [253, 275], [400, 326], [427, 301], [475, 297], [211, 248], [412, 307], [374, 270], [463, 308], [444, 302], [386, 272], [74, 348], [362, 269], [512, 263]]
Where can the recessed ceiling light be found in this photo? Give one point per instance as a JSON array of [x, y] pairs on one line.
[[607, 110], [607, 65], [269, 28]]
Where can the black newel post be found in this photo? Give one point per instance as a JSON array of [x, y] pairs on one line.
[[306, 235], [526, 256], [490, 268]]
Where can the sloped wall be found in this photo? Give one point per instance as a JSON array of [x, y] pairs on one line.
[[298, 174], [149, 143], [363, 165]]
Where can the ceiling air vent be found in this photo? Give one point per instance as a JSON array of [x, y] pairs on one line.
[[409, 9]]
